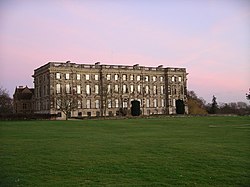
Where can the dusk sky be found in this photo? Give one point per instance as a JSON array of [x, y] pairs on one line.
[[211, 38]]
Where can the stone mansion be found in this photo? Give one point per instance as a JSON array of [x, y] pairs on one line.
[[106, 89]]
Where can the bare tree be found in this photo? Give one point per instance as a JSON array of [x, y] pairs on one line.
[[5, 101], [68, 102]]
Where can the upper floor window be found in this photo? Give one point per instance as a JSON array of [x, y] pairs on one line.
[[162, 89], [154, 78], [58, 88], [131, 77], [87, 89], [96, 77], [124, 88], [180, 79], [139, 88], [67, 88], [116, 88], [173, 79], [58, 75], [161, 79], [96, 89], [116, 77], [147, 89], [146, 78], [108, 77], [124, 77], [87, 77], [78, 77], [138, 78], [154, 90], [109, 88], [67, 76], [78, 89], [132, 88]]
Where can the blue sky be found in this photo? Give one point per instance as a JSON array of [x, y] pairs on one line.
[[210, 38]]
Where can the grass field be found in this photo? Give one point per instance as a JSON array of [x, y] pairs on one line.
[[174, 151]]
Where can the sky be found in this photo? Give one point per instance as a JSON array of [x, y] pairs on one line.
[[210, 38]]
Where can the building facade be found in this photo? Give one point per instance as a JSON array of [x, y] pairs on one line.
[[106, 90], [23, 100]]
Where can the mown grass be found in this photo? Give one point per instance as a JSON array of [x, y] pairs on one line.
[[182, 151]]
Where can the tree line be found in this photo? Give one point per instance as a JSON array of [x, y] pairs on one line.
[[197, 105]]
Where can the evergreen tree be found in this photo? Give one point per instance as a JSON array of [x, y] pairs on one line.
[[248, 95], [214, 106]]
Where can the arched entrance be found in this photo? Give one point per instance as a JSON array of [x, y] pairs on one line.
[[135, 109], [180, 107]]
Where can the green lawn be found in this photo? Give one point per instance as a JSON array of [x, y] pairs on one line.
[[173, 151]]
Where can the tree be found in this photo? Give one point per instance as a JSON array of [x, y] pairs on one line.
[[195, 105], [5, 102], [68, 102], [214, 106], [248, 95]]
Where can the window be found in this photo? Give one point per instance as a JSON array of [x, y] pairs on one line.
[[109, 103], [87, 89], [147, 90], [154, 78], [24, 106], [162, 89], [173, 102], [88, 103], [131, 77], [146, 78], [58, 103], [161, 79], [78, 89], [67, 88], [147, 103], [97, 104], [154, 90], [58, 88], [155, 103], [87, 77], [96, 77], [179, 79], [116, 88], [116, 77], [139, 88], [173, 79], [108, 77], [79, 104], [132, 88], [109, 88], [67, 76], [78, 77], [58, 76], [138, 78], [125, 104], [124, 88], [96, 89], [116, 103], [124, 77], [162, 102]]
